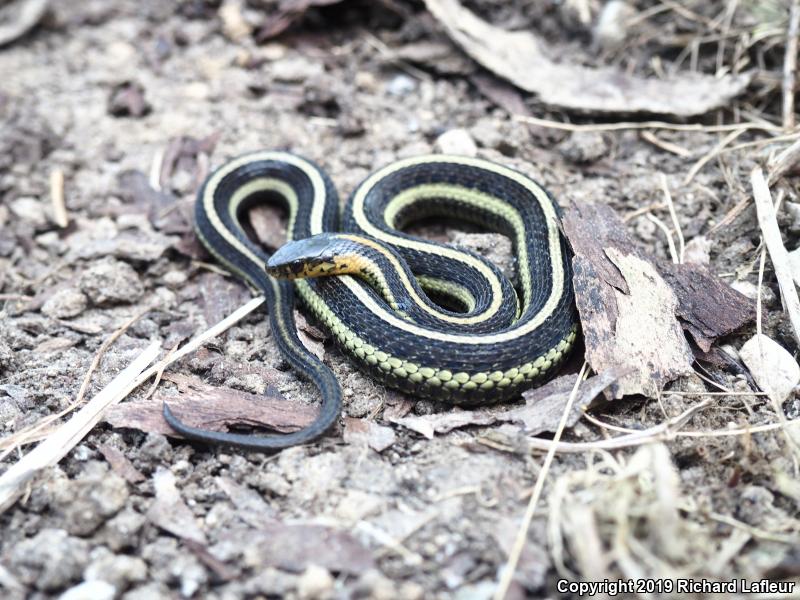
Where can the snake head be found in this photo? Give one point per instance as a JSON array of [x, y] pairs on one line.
[[310, 257]]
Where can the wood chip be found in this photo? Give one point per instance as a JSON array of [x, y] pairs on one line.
[[519, 57], [632, 305], [215, 408]]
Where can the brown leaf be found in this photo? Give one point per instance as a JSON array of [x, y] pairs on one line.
[[520, 57], [369, 433], [295, 547], [169, 511], [215, 408], [120, 464]]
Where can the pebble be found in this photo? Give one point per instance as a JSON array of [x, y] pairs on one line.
[[316, 583], [65, 304], [583, 147], [111, 281], [90, 590], [296, 69], [119, 570], [122, 531], [29, 209], [456, 141], [90, 500], [50, 560], [401, 85]]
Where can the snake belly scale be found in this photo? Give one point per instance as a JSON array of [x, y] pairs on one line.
[[371, 285]]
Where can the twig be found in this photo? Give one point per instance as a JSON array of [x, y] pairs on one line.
[[60, 215], [790, 65], [522, 536], [620, 126], [651, 137], [674, 215], [768, 223], [711, 154]]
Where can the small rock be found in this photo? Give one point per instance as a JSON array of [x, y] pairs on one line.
[[772, 366], [271, 582], [50, 560], [612, 27], [65, 304], [111, 282], [584, 147], [697, 250], [150, 591], [122, 531], [127, 100], [456, 141], [6, 356], [750, 290], [486, 132], [315, 583], [29, 209], [174, 279], [156, 448], [90, 590], [401, 85], [374, 585], [89, 501], [118, 570], [296, 69]]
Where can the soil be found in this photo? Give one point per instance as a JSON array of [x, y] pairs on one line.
[[104, 91]]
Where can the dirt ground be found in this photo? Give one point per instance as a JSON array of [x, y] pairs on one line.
[[128, 96]]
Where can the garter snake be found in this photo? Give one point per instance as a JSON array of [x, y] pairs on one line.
[[371, 285]]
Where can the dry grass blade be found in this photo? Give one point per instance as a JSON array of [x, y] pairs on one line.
[[790, 65], [768, 222], [60, 215], [519, 543], [782, 163], [627, 125]]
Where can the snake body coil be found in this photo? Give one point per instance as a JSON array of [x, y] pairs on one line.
[[371, 285]]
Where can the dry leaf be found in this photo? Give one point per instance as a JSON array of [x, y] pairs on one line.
[[519, 57], [214, 408], [772, 366], [288, 12], [369, 433], [169, 511]]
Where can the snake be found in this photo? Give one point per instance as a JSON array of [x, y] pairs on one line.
[[429, 319]]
